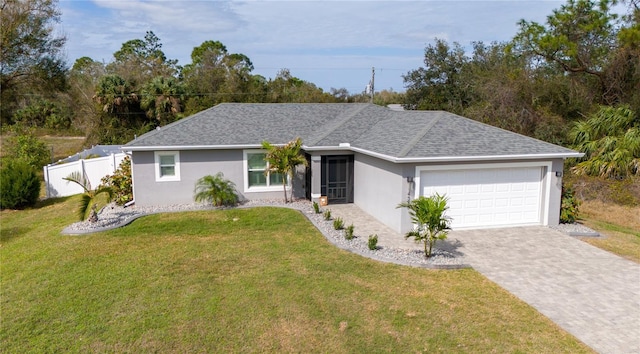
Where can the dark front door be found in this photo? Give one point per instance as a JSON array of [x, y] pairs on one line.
[[337, 178]]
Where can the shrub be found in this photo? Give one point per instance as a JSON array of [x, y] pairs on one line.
[[27, 147], [216, 190], [569, 209], [120, 182], [373, 242], [327, 214], [44, 113], [348, 232], [19, 185], [338, 224], [316, 208]]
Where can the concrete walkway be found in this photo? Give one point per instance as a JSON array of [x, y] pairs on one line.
[[591, 293]]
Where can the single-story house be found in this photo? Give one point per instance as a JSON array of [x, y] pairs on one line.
[[365, 154]]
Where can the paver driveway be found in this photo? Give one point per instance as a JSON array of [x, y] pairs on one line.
[[591, 293]]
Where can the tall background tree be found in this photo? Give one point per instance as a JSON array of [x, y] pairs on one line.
[[441, 83], [140, 60], [31, 62], [215, 75]]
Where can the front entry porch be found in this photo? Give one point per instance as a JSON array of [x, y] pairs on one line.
[[332, 177]]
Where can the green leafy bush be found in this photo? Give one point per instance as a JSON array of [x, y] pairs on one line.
[[569, 209], [316, 208], [327, 214], [216, 190], [338, 224], [19, 184], [120, 182], [348, 232], [373, 242], [24, 145]]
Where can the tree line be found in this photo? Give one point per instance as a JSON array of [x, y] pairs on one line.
[[138, 90]]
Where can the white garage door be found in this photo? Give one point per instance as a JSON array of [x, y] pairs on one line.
[[488, 197]]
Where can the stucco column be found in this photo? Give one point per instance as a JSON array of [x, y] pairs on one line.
[[316, 177]]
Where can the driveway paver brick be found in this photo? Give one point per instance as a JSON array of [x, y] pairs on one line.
[[591, 293]]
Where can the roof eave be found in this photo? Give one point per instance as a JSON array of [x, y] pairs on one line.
[[190, 147], [489, 157], [345, 147], [436, 159]]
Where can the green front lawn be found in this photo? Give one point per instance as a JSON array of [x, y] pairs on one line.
[[250, 280]]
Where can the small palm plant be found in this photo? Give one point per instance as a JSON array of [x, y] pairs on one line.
[[216, 190], [430, 222], [88, 200], [285, 159]]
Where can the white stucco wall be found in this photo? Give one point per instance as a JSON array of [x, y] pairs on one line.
[[379, 188]]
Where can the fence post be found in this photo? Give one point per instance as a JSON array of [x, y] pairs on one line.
[[46, 182], [83, 170]]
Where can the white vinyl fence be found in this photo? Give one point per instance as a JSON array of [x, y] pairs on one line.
[[92, 169]]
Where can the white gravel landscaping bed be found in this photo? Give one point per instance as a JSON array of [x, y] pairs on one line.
[[576, 229]]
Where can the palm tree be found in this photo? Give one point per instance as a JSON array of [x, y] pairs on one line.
[[115, 94], [284, 159], [216, 190], [610, 140], [88, 198], [162, 99], [430, 223]]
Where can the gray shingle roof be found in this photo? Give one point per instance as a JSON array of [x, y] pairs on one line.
[[379, 130]]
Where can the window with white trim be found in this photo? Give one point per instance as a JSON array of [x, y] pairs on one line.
[[167, 165], [256, 178]]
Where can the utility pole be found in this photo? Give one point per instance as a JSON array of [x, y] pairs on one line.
[[373, 77]]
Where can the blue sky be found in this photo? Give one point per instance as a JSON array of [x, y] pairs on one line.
[[329, 43]]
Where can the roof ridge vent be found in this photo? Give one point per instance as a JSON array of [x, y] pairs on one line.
[[417, 137]]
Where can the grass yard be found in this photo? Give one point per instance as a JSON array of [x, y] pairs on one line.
[[246, 280], [63, 146], [620, 225]]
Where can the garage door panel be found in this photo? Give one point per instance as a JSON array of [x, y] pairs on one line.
[[469, 204], [488, 188], [471, 188], [488, 197], [486, 203]]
